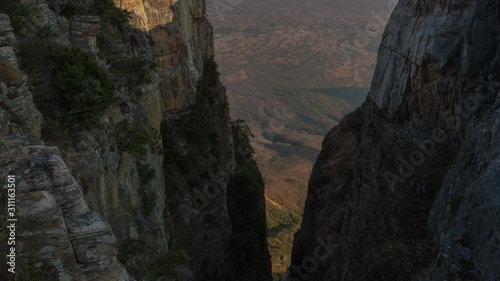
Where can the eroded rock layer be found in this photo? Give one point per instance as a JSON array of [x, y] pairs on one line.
[[117, 129]]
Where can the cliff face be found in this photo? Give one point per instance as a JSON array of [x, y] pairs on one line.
[[406, 187], [117, 129]]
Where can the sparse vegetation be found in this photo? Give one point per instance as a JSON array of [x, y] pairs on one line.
[[197, 129], [132, 138], [135, 70], [207, 93], [279, 220], [141, 260], [83, 88], [35, 54], [129, 69], [17, 11], [109, 13], [35, 268], [245, 197], [67, 8], [30, 265], [282, 226]]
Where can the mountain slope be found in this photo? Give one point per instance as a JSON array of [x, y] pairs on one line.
[[406, 188], [292, 78], [116, 128]]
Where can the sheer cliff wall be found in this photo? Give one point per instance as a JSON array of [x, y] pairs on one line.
[[406, 187], [117, 129]]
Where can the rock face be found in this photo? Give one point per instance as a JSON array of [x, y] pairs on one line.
[[83, 33], [183, 39], [74, 242], [16, 98], [406, 188], [133, 185]]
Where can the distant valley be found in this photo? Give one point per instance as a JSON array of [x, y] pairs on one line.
[[293, 69]]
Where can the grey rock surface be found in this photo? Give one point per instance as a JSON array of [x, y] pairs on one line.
[[420, 199], [97, 197]]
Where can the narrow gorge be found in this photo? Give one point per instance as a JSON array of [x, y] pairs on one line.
[[116, 134], [119, 159]]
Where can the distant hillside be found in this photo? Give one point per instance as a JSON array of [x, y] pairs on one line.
[[293, 69]]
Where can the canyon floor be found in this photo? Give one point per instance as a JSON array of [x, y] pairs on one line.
[[293, 69]]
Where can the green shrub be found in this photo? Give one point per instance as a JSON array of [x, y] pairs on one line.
[[241, 135], [109, 13], [136, 70], [130, 247], [279, 220], [152, 266], [37, 54], [82, 85], [246, 208], [168, 263], [31, 266], [67, 8], [82, 88], [17, 11], [132, 138]]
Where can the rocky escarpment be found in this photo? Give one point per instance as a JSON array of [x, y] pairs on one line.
[[406, 188], [122, 134], [69, 241]]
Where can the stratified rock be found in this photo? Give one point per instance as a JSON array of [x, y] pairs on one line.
[[163, 141], [83, 32], [15, 95], [77, 243]]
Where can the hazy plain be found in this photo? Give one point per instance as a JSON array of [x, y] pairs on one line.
[[293, 69]]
